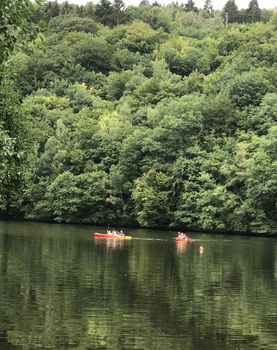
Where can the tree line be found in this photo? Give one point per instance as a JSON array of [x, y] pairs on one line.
[[162, 116], [112, 13]]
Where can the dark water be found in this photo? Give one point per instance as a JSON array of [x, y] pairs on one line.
[[61, 289]]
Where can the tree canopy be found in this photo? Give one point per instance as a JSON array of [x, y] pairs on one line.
[[158, 116]]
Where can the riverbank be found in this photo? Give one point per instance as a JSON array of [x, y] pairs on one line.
[[164, 229]]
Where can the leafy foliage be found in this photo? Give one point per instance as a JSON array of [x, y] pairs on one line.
[[14, 25], [151, 115]]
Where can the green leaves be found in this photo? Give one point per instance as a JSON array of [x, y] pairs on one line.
[[80, 198], [168, 119], [151, 197], [248, 89], [14, 24]]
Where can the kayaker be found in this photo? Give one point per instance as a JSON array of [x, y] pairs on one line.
[[109, 232], [182, 235], [121, 233]]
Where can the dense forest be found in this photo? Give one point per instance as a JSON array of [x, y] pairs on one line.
[[149, 115]]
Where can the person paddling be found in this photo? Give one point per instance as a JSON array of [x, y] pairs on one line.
[[182, 235]]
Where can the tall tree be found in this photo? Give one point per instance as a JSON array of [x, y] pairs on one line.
[[208, 6], [119, 15], [190, 6], [253, 12], [104, 12], [230, 12]]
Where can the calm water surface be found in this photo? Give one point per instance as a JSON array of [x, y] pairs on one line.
[[62, 289]]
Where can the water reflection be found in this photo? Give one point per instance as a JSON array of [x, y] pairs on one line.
[[201, 250], [60, 290], [111, 243], [181, 246]]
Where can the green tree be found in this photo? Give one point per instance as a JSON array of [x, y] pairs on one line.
[[139, 37], [63, 197], [64, 24], [205, 203], [119, 15], [253, 12], [104, 12], [151, 196], [182, 58], [230, 12], [45, 11], [96, 204], [124, 59], [156, 16], [15, 25], [261, 185], [15, 144], [115, 85], [248, 89], [220, 115], [190, 6], [265, 116], [88, 50]]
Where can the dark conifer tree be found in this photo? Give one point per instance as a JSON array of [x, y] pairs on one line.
[[230, 12], [156, 3], [104, 12], [80, 11], [190, 6], [253, 11]]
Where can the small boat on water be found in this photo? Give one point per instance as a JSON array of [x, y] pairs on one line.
[[186, 239], [182, 237], [105, 235]]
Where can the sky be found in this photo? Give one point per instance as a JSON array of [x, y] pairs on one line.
[[217, 4]]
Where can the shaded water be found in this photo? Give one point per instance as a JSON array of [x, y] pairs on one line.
[[62, 289]]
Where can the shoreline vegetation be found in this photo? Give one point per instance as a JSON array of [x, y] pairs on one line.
[[147, 116], [129, 227]]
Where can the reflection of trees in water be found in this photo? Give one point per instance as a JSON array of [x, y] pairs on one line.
[[63, 293], [113, 243]]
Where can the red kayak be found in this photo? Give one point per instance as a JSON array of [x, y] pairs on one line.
[[186, 239], [104, 235]]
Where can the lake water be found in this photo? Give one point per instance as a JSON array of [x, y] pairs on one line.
[[62, 289]]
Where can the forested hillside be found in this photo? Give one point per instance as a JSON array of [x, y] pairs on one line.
[[158, 116]]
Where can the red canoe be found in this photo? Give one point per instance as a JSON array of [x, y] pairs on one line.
[[104, 235]]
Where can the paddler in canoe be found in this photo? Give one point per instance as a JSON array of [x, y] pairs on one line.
[[115, 233]]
